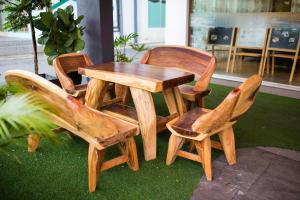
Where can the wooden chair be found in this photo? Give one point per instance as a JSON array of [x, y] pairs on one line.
[[200, 123], [281, 51], [69, 63], [223, 38], [201, 63], [250, 39], [98, 129]]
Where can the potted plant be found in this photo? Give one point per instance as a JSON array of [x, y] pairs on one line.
[[121, 43], [61, 34]]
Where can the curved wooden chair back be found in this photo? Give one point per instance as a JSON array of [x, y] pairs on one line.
[[66, 111], [249, 90], [67, 63], [211, 122], [192, 60], [238, 101]]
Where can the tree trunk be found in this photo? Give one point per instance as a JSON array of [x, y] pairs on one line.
[[36, 64], [48, 7]]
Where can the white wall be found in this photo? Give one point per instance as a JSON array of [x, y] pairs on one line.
[[127, 18], [146, 34], [177, 12]]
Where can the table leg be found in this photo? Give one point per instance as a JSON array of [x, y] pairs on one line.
[[180, 102], [170, 101], [174, 101], [123, 92], [95, 93], [144, 105]]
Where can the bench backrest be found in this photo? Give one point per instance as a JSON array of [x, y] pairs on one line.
[[66, 111], [189, 59]]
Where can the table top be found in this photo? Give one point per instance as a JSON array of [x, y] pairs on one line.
[[148, 77]]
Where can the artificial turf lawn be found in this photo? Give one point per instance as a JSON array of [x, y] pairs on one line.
[[60, 172]]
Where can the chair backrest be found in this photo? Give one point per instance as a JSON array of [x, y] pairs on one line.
[[192, 60], [65, 111], [224, 36], [208, 123], [251, 38], [237, 102], [69, 63], [249, 89], [285, 39]]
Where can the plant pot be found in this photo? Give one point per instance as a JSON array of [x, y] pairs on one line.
[[76, 78], [50, 78]]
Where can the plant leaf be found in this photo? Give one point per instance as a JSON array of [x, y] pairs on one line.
[[63, 15], [79, 19], [43, 39], [79, 45], [69, 42], [47, 19], [69, 9], [50, 49]]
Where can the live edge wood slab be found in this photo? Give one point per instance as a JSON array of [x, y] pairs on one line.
[[143, 80], [148, 77]]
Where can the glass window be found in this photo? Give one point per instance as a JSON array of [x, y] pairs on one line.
[[156, 13], [245, 54], [116, 15]]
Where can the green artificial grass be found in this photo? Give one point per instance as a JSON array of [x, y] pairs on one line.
[[60, 172]]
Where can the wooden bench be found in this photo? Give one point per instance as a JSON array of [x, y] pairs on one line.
[[98, 129], [192, 60]]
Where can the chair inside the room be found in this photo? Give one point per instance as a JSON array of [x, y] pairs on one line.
[[250, 42], [284, 46]]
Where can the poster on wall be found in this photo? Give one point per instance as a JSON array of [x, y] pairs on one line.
[[284, 38], [220, 35], [252, 37]]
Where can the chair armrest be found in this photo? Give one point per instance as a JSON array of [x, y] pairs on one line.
[[79, 90], [188, 92]]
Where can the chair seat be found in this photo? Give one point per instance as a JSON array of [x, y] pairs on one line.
[[125, 130], [184, 124], [248, 54], [81, 87], [129, 114], [190, 94], [79, 90]]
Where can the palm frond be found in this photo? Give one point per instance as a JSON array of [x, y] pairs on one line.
[[24, 112], [21, 115]]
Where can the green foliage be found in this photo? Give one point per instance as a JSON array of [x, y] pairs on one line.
[[20, 115], [122, 42], [61, 33], [19, 12]]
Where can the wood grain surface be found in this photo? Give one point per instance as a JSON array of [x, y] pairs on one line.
[[148, 77]]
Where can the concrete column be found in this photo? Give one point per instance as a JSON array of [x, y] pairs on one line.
[[177, 22], [98, 33]]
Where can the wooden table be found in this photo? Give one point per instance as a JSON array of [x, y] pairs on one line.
[[143, 80]]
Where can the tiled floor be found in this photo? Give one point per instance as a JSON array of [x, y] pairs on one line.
[[250, 66], [257, 175]]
